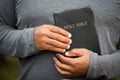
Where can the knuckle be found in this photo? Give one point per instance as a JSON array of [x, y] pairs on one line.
[[66, 33], [43, 47], [66, 40], [59, 37], [75, 63], [45, 25], [45, 32], [51, 48], [55, 28], [67, 46], [60, 50], [63, 73], [43, 40], [62, 45], [55, 36], [55, 49]]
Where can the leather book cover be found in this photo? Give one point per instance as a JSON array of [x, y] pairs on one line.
[[80, 23]]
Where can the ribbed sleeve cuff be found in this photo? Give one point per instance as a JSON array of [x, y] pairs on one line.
[[92, 71], [28, 43]]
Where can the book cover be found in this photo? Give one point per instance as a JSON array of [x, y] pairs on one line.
[[80, 23]]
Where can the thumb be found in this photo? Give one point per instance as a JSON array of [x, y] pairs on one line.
[[74, 53]]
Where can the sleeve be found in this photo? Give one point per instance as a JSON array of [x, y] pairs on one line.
[[13, 42], [106, 66], [19, 43]]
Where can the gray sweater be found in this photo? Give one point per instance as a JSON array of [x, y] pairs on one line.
[[19, 41]]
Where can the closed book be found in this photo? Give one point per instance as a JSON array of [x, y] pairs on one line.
[[81, 24]]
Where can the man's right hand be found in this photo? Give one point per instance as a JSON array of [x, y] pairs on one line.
[[52, 38]]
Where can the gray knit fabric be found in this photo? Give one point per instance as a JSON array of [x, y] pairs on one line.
[[36, 65]]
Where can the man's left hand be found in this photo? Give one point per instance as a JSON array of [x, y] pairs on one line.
[[73, 67]]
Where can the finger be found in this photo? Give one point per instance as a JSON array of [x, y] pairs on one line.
[[65, 60], [59, 37], [58, 44], [60, 31], [75, 52], [61, 65], [65, 73], [53, 48]]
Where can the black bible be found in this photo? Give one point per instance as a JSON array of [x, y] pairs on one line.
[[80, 23]]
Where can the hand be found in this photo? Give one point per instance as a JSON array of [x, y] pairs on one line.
[[73, 67], [53, 38]]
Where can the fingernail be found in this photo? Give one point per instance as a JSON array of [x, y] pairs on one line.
[[63, 50], [57, 54], [53, 58], [70, 35], [70, 41], [67, 53], [68, 46]]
